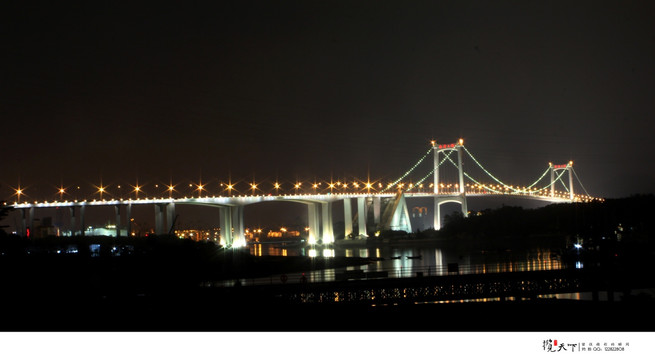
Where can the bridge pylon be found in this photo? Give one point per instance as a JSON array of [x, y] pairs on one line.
[[566, 167], [440, 198]]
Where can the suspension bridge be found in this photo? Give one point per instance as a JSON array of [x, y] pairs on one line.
[[364, 202]]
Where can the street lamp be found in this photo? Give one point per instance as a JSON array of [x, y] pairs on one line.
[[368, 187], [19, 192]]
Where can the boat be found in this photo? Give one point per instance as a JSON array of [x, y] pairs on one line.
[[395, 257], [414, 257]]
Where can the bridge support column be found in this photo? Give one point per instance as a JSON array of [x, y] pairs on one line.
[[71, 210], [552, 180], [460, 170], [82, 222], [570, 169], [361, 216], [348, 217], [170, 217], [159, 219], [312, 223], [128, 218], [460, 199], [435, 188], [225, 214], [117, 210], [30, 220], [239, 238], [437, 214], [376, 210], [26, 222], [326, 212], [400, 219]]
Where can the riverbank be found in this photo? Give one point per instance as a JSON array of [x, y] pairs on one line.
[[194, 312]]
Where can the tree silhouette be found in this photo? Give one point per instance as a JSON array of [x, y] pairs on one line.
[[4, 211]]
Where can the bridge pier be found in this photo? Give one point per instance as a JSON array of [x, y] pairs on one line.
[[73, 227], [225, 214], [361, 216], [128, 218], [170, 216], [159, 219], [313, 223], [164, 212], [71, 211], [117, 210], [439, 200], [376, 210], [82, 222], [326, 212], [347, 217], [238, 226], [27, 221], [400, 219]]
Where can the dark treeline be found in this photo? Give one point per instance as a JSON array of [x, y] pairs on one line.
[[588, 220]]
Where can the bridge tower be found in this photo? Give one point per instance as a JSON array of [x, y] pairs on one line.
[[440, 198], [566, 167]]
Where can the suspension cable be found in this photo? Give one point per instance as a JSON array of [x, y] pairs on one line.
[[559, 176], [447, 157], [580, 182], [563, 184], [408, 171], [483, 169], [515, 190]]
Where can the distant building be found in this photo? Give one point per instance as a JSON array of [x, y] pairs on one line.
[[283, 233], [44, 228], [199, 235], [107, 230]]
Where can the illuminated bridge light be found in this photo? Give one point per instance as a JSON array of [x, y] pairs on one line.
[[477, 187]]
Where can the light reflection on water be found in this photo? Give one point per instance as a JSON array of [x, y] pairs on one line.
[[409, 261], [394, 261]]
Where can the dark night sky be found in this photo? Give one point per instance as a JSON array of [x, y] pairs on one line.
[[304, 89]]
